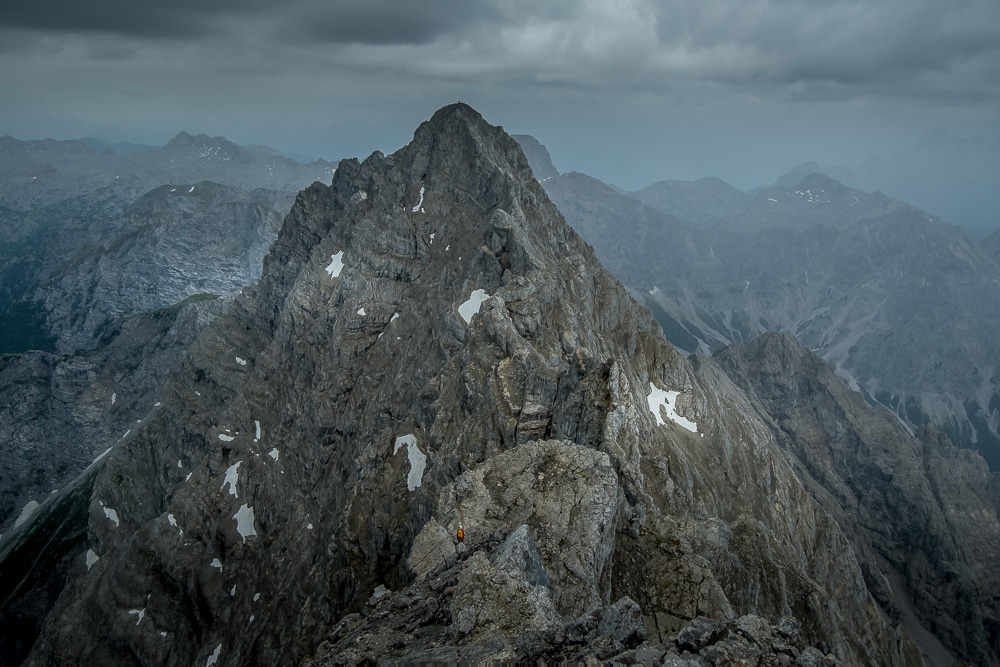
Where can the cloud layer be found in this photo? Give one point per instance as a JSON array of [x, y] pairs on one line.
[[232, 66], [793, 48]]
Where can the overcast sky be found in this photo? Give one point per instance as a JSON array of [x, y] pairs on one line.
[[630, 91]]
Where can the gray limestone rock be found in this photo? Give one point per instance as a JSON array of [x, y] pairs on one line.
[[921, 514], [699, 633], [519, 554], [622, 621]]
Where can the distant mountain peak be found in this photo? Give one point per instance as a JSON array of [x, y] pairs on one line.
[[538, 156], [203, 146], [820, 180], [184, 139]]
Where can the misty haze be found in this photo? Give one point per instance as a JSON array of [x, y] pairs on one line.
[[629, 331]]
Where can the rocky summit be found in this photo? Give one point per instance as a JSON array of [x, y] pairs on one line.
[[436, 429]]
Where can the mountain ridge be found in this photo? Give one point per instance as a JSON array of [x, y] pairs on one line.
[[328, 434]]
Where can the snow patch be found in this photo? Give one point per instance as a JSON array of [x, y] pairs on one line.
[[418, 460], [212, 659], [241, 362], [659, 399], [226, 438], [395, 316], [90, 558], [273, 453], [216, 563], [419, 203], [256, 596], [114, 397], [102, 455], [336, 264], [309, 526], [137, 612], [171, 520], [112, 516], [244, 522], [26, 513], [232, 476], [361, 311], [191, 190], [432, 237], [471, 306], [256, 425]]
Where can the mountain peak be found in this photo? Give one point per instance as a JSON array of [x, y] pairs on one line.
[[457, 112], [201, 146], [455, 158], [461, 132], [185, 139], [819, 180]]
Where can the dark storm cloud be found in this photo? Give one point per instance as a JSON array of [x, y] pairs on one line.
[[138, 18], [840, 42], [387, 22], [788, 47]]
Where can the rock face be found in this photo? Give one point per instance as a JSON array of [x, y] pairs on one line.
[[173, 243], [110, 265], [58, 412], [923, 516], [902, 305], [432, 348]]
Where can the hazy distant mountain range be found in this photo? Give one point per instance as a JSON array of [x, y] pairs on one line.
[[955, 179], [902, 305]]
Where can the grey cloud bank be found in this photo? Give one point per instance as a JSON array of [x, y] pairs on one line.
[[629, 91]]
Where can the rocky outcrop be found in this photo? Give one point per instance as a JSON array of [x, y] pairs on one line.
[[430, 347], [923, 516]]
